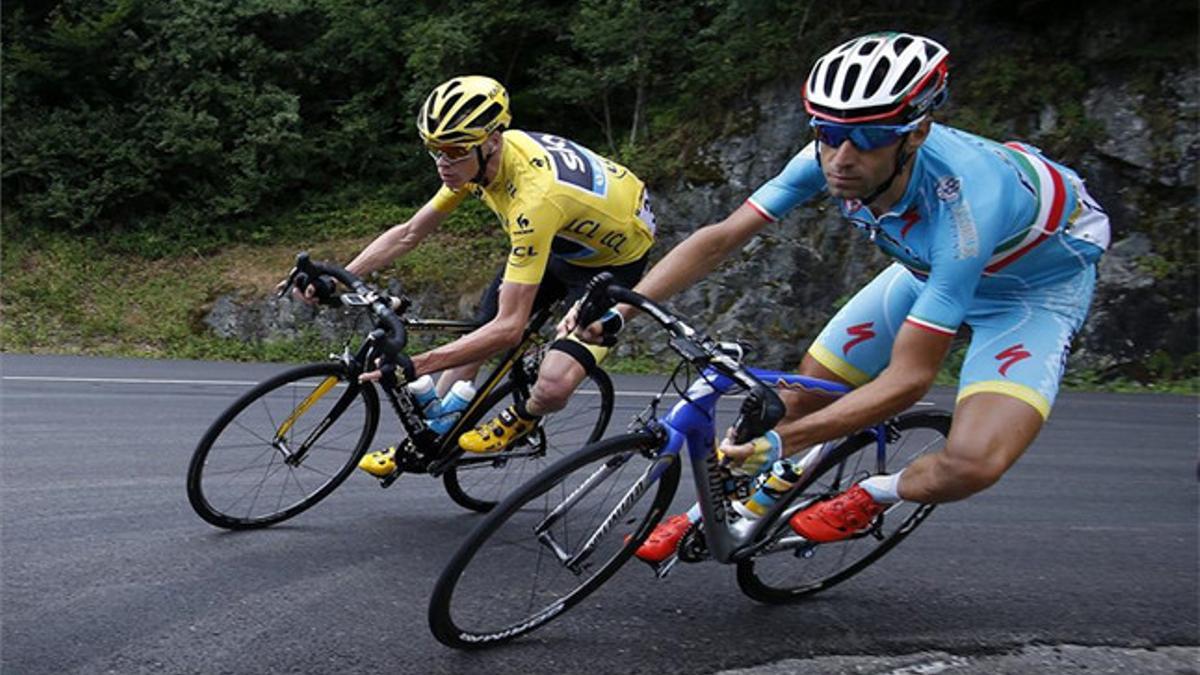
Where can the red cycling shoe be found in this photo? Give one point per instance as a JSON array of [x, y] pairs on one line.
[[838, 518], [663, 541]]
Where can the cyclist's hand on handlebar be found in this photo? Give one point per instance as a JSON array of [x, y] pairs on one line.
[[385, 371], [601, 332], [750, 458]]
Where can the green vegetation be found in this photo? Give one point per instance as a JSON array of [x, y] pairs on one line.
[[159, 155]]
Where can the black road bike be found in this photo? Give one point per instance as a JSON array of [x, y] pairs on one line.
[[288, 442]]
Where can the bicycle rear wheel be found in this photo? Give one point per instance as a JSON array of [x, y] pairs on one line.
[[552, 542], [791, 568], [478, 483], [282, 447]]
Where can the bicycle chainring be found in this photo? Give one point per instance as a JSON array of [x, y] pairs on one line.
[[693, 547]]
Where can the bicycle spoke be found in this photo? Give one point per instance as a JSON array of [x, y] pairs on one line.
[[244, 476]]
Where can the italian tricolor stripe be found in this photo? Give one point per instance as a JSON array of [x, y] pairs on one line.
[[760, 210], [930, 326], [1052, 199]]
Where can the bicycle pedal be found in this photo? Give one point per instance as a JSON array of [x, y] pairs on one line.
[[387, 480], [662, 569]]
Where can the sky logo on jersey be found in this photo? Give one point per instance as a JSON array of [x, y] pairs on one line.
[[1011, 356], [861, 333], [573, 164]]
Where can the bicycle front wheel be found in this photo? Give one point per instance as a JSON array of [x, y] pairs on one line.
[[479, 482], [791, 568], [282, 447], [553, 541]]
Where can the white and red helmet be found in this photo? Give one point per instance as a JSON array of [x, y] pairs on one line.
[[881, 77]]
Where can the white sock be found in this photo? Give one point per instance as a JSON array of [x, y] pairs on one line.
[[884, 489], [693, 513]]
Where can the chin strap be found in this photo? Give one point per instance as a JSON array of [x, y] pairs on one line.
[[483, 162], [902, 158]]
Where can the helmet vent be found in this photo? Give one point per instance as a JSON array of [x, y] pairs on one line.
[[466, 109], [852, 74], [483, 119], [831, 75], [877, 75], [906, 79], [867, 47], [902, 43], [931, 50]]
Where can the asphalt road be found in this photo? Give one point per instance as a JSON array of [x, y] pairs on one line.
[[1091, 540]]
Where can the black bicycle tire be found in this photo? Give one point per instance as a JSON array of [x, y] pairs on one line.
[[196, 467], [454, 486], [440, 620], [754, 587]]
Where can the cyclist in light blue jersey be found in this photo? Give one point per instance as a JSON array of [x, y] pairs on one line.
[[994, 236]]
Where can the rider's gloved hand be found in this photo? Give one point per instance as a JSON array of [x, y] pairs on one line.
[[601, 332], [750, 459]]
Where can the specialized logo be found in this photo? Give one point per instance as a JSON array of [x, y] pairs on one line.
[[1010, 356], [860, 333]]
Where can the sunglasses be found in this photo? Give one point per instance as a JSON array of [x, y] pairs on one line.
[[449, 154], [864, 136]]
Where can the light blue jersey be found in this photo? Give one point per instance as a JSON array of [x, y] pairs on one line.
[[996, 236], [978, 219]]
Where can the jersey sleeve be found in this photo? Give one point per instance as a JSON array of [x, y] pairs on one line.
[[446, 200], [531, 228], [799, 181], [968, 227]]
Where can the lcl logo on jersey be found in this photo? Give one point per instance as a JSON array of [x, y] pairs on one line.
[[859, 333], [1011, 356]]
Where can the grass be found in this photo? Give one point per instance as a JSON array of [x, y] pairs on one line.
[[65, 294]]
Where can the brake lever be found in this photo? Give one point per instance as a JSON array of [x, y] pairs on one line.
[[290, 283]]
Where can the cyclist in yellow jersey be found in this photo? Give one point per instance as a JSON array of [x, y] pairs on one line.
[[569, 215]]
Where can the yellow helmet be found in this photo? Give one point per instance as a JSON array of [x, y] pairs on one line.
[[463, 112]]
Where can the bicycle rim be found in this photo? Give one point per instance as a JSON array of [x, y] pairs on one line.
[[508, 578], [793, 569], [479, 483], [249, 471]]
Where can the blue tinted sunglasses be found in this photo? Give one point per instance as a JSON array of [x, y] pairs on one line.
[[864, 136]]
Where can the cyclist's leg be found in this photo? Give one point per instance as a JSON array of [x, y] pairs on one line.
[[1008, 383], [489, 305], [569, 361], [856, 344], [515, 421]]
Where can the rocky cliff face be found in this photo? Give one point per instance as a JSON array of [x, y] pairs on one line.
[[783, 286], [1139, 161]]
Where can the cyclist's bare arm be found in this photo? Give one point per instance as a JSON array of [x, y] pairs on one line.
[[396, 241], [691, 260], [502, 332], [916, 357]]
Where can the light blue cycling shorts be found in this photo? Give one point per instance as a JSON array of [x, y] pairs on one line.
[[1019, 341]]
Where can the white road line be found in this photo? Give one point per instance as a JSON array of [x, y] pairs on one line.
[[215, 383], [247, 383]]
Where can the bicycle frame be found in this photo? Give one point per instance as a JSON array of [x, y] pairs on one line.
[[691, 424], [423, 449]]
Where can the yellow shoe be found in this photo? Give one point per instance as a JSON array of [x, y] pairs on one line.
[[380, 463], [498, 433]]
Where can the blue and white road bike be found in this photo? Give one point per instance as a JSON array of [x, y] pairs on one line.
[[566, 531]]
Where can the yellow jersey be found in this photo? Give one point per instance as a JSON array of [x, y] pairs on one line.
[[554, 196]]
